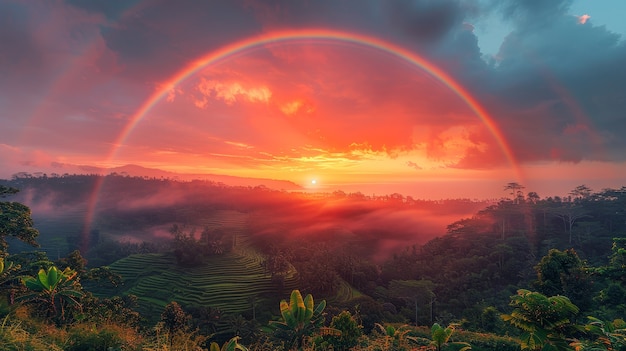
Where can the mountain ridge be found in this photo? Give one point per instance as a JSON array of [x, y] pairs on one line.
[[141, 171]]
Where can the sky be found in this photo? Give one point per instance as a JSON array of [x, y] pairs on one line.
[[428, 98]]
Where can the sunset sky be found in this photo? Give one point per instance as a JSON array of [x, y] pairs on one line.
[[429, 98]]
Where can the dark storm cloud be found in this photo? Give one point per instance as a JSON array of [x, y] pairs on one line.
[[426, 20], [19, 47], [160, 37], [112, 9], [562, 86]]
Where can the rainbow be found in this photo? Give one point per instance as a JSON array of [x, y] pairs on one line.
[[279, 37]]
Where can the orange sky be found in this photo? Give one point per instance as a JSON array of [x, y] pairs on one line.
[[332, 112], [81, 86]]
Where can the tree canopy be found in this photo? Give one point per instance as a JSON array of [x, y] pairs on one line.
[[15, 221]]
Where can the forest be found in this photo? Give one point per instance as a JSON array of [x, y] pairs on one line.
[[90, 262]]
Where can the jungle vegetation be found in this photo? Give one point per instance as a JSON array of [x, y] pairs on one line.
[[212, 267]]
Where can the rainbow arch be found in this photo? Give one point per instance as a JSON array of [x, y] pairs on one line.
[[278, 37]]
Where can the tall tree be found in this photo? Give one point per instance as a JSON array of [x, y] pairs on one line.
[[416, 292], [516, 191], [569, 213], [564, 273], [15, 221]]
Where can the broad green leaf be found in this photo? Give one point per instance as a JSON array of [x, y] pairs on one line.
[[308, 303], [42, 276], [319, 309], [32, 284], [285, 312], [295, 303], [53, 276]]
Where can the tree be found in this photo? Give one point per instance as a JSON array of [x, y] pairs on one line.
[[564, 273], [544, 321], [187, 250], [300, 319], [349, 331], [54, 289], [416, 292], [581, 192], [15, 221], [515, 190], [174, 319], [569, 214]]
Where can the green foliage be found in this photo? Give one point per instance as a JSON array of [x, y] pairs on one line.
[[15, 221], [231, 345], [544, 321], [607, 335], [490, 319], [118, 310], [389, 337], [53, 290], [174, 318], [7, 271], [94, 340], [441, 336], [478, 341], [300, 318], [564, 273], [418, 294], [348, 331]]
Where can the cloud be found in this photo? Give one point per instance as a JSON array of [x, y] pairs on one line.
[[583, 19], [77, 71], [550, 79], [426, 20], [231, 92], [291, 107], [414, 165]]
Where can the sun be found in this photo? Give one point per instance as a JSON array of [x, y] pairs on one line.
[[313, 181]]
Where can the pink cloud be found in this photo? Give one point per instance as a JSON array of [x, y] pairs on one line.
[[583, 19], [231, 92]]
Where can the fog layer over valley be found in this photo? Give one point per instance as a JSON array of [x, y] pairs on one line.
[[137, 209]]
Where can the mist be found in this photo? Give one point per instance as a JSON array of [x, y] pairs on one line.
[[135, 210]]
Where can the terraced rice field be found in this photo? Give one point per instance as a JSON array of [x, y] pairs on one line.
[[228, 282]]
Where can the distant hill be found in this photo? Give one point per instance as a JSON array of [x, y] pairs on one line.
[[140, 171], [135, 170]]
